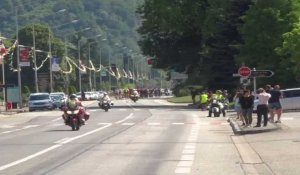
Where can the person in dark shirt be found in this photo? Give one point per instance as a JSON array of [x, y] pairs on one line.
[[247, 102], [274, 104]]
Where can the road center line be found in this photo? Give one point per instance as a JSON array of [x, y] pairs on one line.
[[126, 118], [59, 118], [66, 140]]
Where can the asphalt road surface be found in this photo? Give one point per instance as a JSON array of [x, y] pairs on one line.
[[150, 137]]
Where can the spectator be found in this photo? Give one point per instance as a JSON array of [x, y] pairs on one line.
[[274, 104], [247, 102], [262, 107], [238, 108]]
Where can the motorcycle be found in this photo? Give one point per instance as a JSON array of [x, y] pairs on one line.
[[134, 98], [105, 105], [216, 108], [75, 118]]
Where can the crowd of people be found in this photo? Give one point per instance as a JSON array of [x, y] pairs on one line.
[[143, 93], [268, 105]]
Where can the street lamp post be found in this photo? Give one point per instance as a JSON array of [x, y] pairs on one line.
[[50, 47], [35, 67]]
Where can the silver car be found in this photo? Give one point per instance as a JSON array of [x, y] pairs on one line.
[[40, 101]]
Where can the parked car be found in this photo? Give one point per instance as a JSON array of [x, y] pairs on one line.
[[290, 99], [58, 101], [59, 98], [40, 101]]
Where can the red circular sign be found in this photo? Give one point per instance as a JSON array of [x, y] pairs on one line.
[[244, 71]]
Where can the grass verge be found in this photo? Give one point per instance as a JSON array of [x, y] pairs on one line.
[[184, 99]]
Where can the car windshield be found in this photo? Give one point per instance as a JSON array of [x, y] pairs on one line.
[[56, 97], [39, 97]]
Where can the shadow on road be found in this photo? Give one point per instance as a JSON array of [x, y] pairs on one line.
[[59, 130]]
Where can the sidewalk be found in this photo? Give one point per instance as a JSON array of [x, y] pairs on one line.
[[241, 130]]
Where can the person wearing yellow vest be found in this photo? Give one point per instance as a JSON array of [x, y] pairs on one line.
[[203, 100]]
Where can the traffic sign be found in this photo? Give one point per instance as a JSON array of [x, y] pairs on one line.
[[262, 73], [244, 71]]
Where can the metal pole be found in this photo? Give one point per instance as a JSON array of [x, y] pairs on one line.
[[90, 72], [109, 77], [50, 61], [67, 77], [100, 69], [79, 64], [254, 82], [3, 80], [18, 61], [35, 68]]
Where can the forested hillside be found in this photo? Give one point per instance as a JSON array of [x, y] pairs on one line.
[[112, 28]]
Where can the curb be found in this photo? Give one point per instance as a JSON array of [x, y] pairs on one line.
[[240, 131]]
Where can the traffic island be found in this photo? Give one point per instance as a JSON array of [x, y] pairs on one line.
[[238, 129]]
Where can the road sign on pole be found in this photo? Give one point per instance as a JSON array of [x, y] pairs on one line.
[[262, 73], [244, 71]]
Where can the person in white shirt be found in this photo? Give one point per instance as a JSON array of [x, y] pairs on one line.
[[262, 107]]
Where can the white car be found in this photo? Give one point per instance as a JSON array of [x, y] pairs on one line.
[[40, 101], [290, 99]]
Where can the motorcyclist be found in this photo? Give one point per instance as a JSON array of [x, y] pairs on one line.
[[216, 99], [104, 98], [135, 93], [73, 104]]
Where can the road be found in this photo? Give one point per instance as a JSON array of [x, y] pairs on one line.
[[148, 137]]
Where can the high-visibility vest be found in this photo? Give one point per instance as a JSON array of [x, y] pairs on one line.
[[204, 98]]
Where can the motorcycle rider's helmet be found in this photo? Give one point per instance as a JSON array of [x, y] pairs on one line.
[[219, 92], [72, 96]]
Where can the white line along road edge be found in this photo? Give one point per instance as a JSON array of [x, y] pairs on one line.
[[3, 167]]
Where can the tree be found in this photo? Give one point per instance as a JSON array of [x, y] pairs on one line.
[[265, 23]]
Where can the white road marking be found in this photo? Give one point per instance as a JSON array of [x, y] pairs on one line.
[[188, 151], [122, 109], [30, 126], [177, 123], [128, 124], [185, 163], [126, 118], [58, 124], [287, 118], [104, 123], [56, 119], [93, 110], [182, 170], [153, 124], [189, 147], [29, 157], [7, 126], [192, 140], [25, 127], [66, 140], [195, 115], [61, 140], [203, 123], [224, 123], [187, 157]]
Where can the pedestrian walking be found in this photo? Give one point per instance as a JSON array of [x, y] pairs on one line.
[[262, 107], [274, 104], [237, 107], [247, 101]]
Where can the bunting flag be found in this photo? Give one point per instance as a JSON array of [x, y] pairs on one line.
[[118, 75], [3, 51], [124, 74], [129, 74], [82, 68]]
